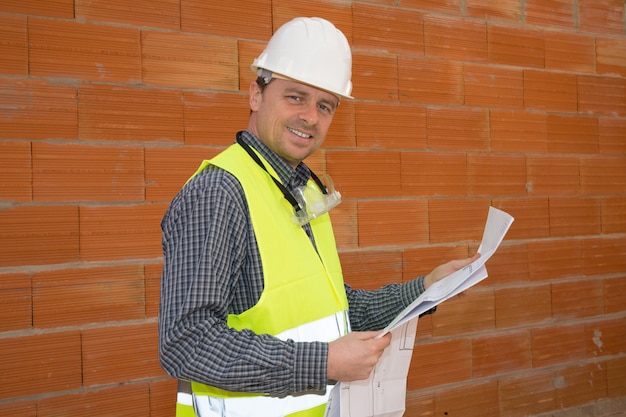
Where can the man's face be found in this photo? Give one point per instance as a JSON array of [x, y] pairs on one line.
[[290, 118]]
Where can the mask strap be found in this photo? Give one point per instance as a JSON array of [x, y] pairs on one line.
[[319, 183], [288, 196]]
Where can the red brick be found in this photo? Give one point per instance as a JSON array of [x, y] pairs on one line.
[[531, 215], [616, 377], [317, 161], [603, 175], [248, 51], [602, 95], [443, 6], [612, 135], [572, 216], [527, 393], [430, 81], [16, 306], [453, 220], [508, 265], [69, 49], [254, 17], [568, 51], [168, 168], [550, 13], [40, 364], [455, 39], [214, 118], [488, 86], [425, 328], [496, 174], [38, 110], [394, 30], [13, 45], [120, 353], [31, 235], [342, 132], [163, 14], [371, 269], [353, 177], [88, 295], [604, 16], [555, 345], [152, 273], [471, 312], [522, 306], [553, 175], [605, 338], [189, 60], [554, 259], [50, 8], [478, 399], [577, 299], [422, 260], [390, 125], [550, 91], [130, 114], [120, 232], [580, 384], [604, 255], [392, 222], [501, 353], [375, 76], [163, 398], [517, 131], [515, 46], [440, 363], [452, 128], [434, 174], [508, 10], [611, 56], [614, 290], [124, 401], [572, 134], [72, 172], [420, 404], [19, 409], [15, 171], [344, 218]]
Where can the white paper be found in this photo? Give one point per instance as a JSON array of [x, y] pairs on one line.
[[383, 394]]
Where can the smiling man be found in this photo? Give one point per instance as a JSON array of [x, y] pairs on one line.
[[255, 319]]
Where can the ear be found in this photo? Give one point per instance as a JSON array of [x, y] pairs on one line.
[[255, 96]]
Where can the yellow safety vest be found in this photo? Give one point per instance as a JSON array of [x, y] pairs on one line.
[[303, 299]]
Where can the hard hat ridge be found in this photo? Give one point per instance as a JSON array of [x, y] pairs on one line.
[[312, 51]]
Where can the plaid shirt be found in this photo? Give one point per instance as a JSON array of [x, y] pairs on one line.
[[212, 268]]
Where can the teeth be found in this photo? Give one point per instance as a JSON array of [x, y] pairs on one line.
[[302, 135]]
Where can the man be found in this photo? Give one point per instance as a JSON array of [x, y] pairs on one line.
[[255, 319]]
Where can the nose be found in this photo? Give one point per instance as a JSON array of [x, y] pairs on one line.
[[308, 113]]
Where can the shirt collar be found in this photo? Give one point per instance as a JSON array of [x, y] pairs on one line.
[[287, 174]]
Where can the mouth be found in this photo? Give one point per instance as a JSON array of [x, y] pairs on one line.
[[299, 133]]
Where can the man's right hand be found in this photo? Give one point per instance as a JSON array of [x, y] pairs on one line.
[[353, 357]]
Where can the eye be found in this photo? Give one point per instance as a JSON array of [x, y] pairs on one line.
[[326, 108]]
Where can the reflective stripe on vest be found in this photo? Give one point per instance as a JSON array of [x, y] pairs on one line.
[[184, 400], [303, 298]]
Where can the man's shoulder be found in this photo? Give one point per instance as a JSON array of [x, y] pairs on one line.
[[214, 177]]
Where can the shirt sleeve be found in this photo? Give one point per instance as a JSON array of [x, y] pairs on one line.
[[206, 247], [373, 310]]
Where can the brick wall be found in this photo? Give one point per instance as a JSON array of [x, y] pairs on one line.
[[107, 106]]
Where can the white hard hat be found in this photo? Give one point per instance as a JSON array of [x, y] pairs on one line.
[[311, 51]]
